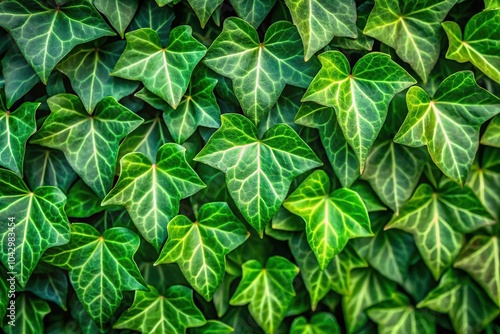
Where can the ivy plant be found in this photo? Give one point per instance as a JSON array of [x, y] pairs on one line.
[[258, 166]]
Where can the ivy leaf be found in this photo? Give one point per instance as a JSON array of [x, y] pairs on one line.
[[259, 71], [320, 323], [491, 4], [204, 9], [253, 11], [212, 327], [336, 275], [51, 286], [165, 71], [332, 218], [491, 136], [339, 153], [15, 129], [30, 320], [361, 42], [258, 171], [318, 21], [45, 33], [412, 29], [449, 122], [480, 43], [361, 99], [37, 219], [88, 67], [77, 134], [268, 290], [172, 312], [100, 267], [438, 221], [481, 259], [46, 167], [397, 315], [151, 192], [200, 247], [469, 308], [82, 201], [393, 172], [119, 13], [150, 16], [19, 76]]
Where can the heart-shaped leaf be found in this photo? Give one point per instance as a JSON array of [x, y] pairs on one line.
[[119, 13]]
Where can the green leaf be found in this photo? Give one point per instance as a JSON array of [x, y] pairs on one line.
[[336, 275], [150, 16], [332, 218], [253, 11], [371, 200], [284, 220], [35, 219], [258, 171], [361, 42], [318, 21], [438, 221], [411, 28], [469, 308], [151, 192], [204, 9], [100, 267], [393, 172], [320, 323], [259, 71], [4, 293], [481, 259], [339, 153], [82, 201], [490, 4], [491, 136], [88, 67], [361, 99], [15, 129], [51, 286], [449, 122], [267, 289], [165, 71], [70, 129], [480, 43], [118, 13], [172, 312], [200, 247], [212, 327], [29, 315], [45, 33], [46, 167], [397, 315], [19, 76], [241, 321], [367, 289]]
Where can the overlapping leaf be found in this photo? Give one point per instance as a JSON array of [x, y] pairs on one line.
[[50, 285], [119, 13], [150, 16], [491, 136], [361, 98], [258, 171], [30, 320], [253, 11], [204, 9], [320, 323]]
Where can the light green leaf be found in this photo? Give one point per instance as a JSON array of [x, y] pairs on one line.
[[51, 286], [361, 99], [46, 167], [204, 9], [449, 122], [412, 29], [37, 220], [268, 290], [150, 16], [332, 217], [212, 327], [318, 21], [19, 76], [481, 259], [15, 129], [88, 67], [70, 129], [46, 33], [469, 308], [336, 275], [119, 13], [253, 11], [490, 4], [165, 71], [100, 267], [29, 317], [320, 323], [397, 315], [361, 42], [259, 71], [480, 43], [258, 171], [340, 155], [200, 247], [491, 136], [172, 312], [438, 221], [151, 192]]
